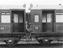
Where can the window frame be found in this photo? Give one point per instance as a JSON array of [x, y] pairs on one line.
[[5, 14], [36, 18]]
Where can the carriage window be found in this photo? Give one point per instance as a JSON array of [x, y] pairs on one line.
[[59, 18], [18, 18], [44, 18], [49, 17], [15, 18], [5, 18], [36, 18]]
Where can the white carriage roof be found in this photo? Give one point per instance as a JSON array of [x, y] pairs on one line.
[[48, 7], [11, 7], [34, 7]]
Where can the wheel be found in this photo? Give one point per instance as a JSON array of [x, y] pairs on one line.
[[13, 43], [44, 42], [40, 41]]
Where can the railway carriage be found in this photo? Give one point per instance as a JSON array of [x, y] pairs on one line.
[[47, 24], [12, 25], [43, 24]]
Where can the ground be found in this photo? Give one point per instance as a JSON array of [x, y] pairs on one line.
[[34, 46]]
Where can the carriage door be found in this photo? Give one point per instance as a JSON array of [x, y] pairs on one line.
[[47, 21], [36, 20], [5, 21], [18, 21]]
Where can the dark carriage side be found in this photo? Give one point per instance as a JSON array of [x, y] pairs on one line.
[[45, 25], [12, 25]]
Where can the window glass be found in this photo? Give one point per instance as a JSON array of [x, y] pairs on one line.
[[59, 18], [20, 19], [36, 18], [49, 17], [5, 18], [15, 18], [44, 18]]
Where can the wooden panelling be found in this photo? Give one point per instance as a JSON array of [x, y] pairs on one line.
[[37, 26], [59, 24], [59, 27], [59, 11], [36, 12], [49, 27], [5, 28]]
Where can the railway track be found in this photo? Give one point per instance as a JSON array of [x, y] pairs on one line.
[[33, 46]]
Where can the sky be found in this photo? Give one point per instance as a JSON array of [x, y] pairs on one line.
[[28, 2]]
